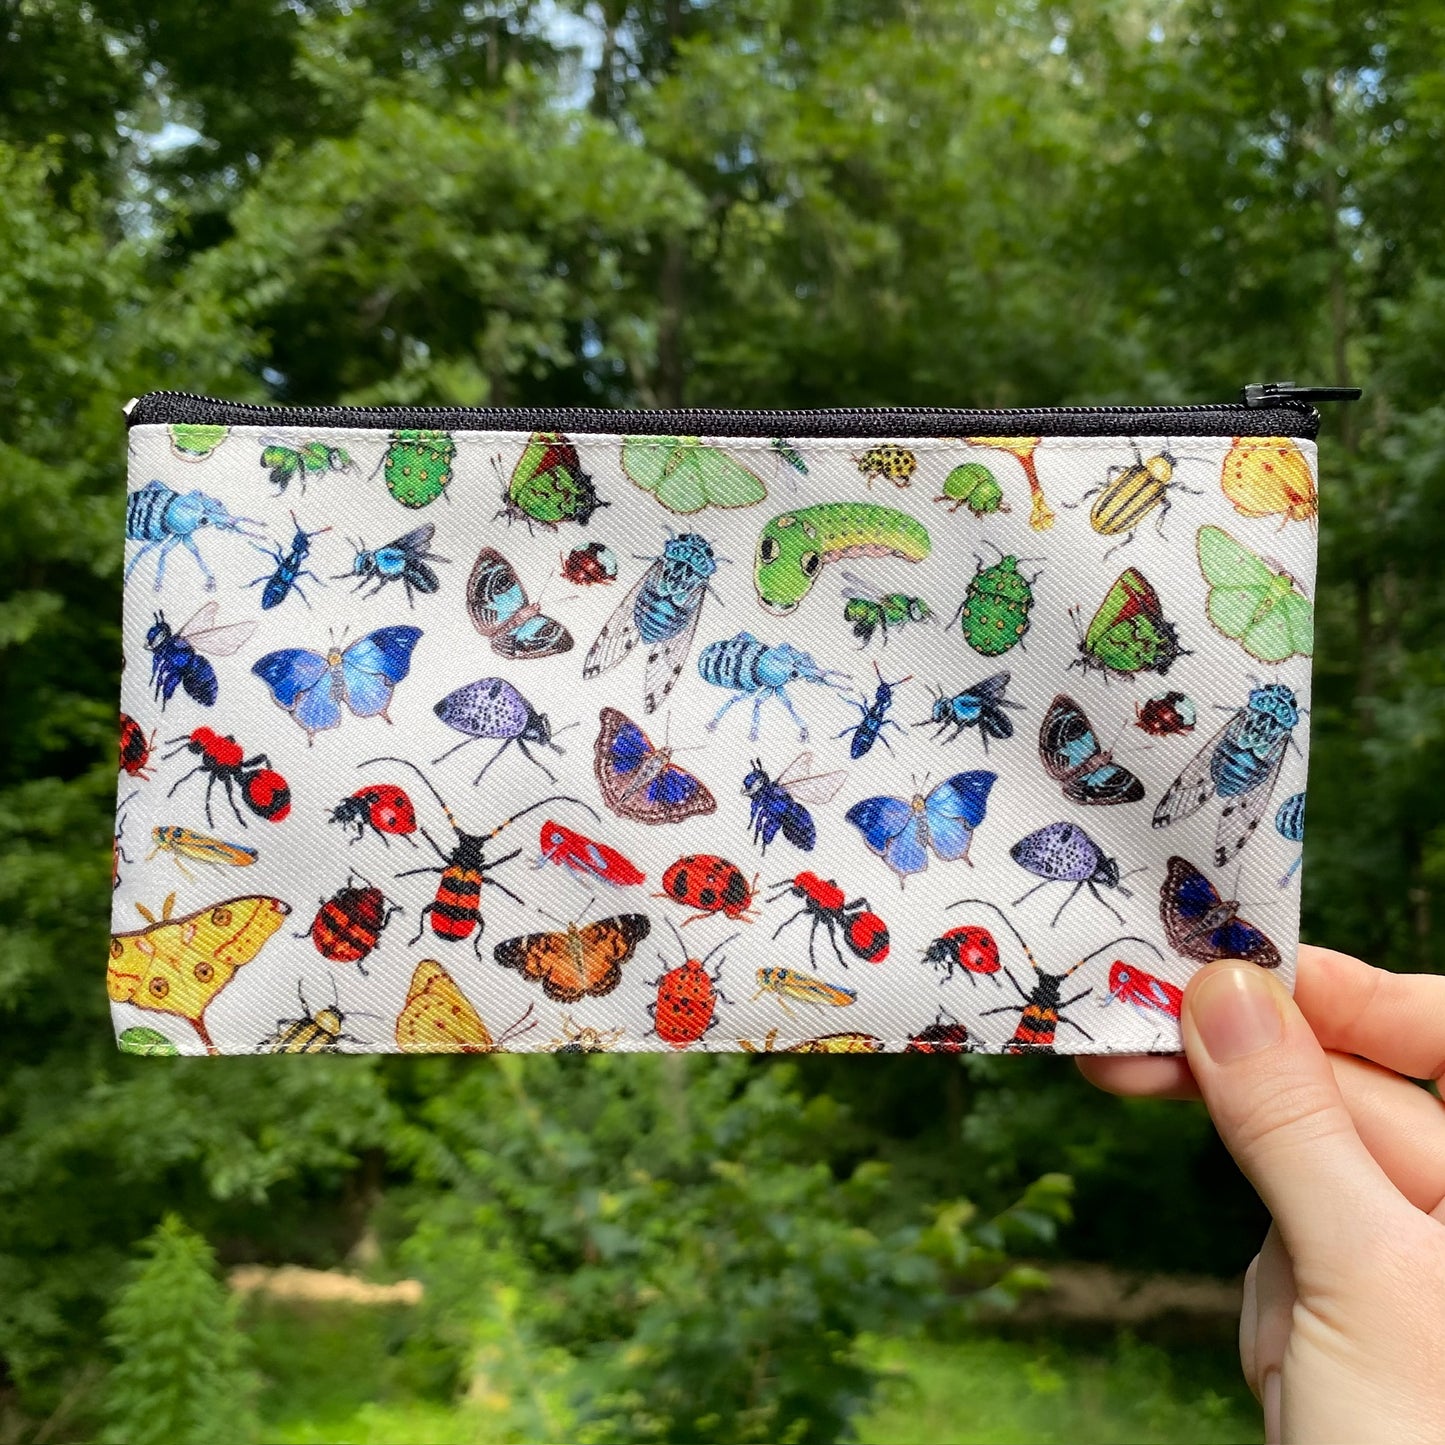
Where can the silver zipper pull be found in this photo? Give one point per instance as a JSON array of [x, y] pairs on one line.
[[1276, 393]]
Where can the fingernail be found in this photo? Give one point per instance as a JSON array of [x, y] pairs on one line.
[[1234, 1010], [1271, 1408]]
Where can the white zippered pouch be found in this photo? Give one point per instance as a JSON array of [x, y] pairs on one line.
[[851, 731]]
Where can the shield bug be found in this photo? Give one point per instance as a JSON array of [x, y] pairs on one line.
[[349, 924], [711, 885], [1064, 853], [891, 461], [687, 997], [418, 466], [994, 613], [1165, 714], [969, 948], [972, 485], [382, 807], [945, 1035], [587, 566], [135, 747], [492, 708]]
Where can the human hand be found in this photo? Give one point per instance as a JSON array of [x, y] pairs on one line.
[[1344, 1306]]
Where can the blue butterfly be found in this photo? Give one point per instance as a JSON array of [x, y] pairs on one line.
[[499, 610], [1070, 751], [641, 782], [312, 685], [1200, 924], [901, 833]]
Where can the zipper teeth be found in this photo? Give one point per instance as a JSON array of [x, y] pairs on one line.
[[1282, 415], [704, 411]]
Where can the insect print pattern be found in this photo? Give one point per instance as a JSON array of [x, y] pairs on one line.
[[1031, 707]]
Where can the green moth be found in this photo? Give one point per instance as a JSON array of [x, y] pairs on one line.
[[548, 485], [1255, 602], [686, 474]]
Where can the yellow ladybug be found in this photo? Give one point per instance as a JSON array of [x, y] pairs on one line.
[[890, 460]]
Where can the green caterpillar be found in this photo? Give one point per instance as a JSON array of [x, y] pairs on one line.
[[794, 546]]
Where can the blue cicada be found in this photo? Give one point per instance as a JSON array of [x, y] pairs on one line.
[[662, 610], [1239, 764]]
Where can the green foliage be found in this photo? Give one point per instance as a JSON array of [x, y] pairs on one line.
[[181, 1377], [667, 1244], [638, 204]]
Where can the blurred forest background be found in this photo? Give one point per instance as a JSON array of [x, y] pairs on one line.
[[661, 203]]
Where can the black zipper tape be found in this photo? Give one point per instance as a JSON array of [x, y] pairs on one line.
[[1270, 409]]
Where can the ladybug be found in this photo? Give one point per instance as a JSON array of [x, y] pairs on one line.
[[1164, 714], [349, 924], [589, 565], [970, 948], [135, 747], [263, 790], [892, 461], [382, 807], [687, 999], [826, 904], [711, 885], [944, 1036]]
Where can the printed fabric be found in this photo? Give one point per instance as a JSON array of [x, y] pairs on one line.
[[457, 742]]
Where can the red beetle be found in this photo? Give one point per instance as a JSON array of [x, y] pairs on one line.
[[382, 807], [1164, 714], [711, 885], [589, 565], [135, 747], [944, 1036], [569, 849], [349, 924], [687, 998], [222, 759], [826, 905], [970, 948]]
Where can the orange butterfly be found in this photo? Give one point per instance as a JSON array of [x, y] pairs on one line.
[[580, 961], [437, 1017]]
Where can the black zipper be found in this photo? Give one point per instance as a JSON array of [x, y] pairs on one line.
[[1266, 409]]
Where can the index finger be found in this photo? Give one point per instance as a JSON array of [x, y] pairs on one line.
[[1395, 1019]]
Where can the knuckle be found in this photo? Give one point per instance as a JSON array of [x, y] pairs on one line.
[[1303, 1113]]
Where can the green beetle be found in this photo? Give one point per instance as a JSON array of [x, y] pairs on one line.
[[418, 466], [972, 485], [147, 1043], [286, 463], [995, 609], [193, 441]]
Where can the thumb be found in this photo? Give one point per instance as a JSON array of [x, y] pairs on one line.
[[1273, 1097]]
